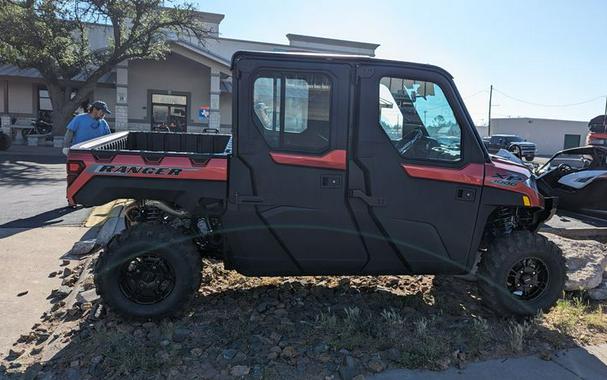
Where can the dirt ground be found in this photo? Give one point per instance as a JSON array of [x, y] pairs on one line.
[[298, 327]]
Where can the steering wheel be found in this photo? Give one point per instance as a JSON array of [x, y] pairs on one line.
[[565, 168], [409, 140]]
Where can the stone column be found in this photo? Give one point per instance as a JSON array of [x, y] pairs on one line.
[[121, 113], [214, 115]]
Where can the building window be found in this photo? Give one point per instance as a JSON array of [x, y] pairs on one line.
[[294, 110], [418, 120], [169, 112], [44, 100]]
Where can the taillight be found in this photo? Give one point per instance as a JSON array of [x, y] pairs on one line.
[[74, 168]]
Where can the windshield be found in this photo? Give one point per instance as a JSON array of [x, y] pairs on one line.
[[514, 139]]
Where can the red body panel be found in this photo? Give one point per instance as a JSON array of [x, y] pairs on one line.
[[335, 159], [214, 169], [471, 174], [500, 174]]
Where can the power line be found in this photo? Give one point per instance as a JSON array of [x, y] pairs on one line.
[[549, 105]]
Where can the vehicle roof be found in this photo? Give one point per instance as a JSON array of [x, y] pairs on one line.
[[344, 58]]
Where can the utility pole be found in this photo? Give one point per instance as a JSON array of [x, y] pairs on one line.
[[489, 117]]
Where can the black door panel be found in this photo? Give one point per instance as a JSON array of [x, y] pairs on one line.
[[424, 221], [297, 169]]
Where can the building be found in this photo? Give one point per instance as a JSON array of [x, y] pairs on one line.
[[191, 88], [549, 135]]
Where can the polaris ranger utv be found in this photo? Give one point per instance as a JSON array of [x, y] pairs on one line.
[[338, 165]]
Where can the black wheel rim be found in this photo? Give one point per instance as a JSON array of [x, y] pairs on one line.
[[147, 279], [528, 279]]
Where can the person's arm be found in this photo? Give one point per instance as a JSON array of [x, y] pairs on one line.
[[69, 136], [107, 126]]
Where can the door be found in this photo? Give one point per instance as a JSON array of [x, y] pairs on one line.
[[571, 141], [288, 179], [417, 171]]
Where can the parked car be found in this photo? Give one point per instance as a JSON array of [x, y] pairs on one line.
[[515, 144], [329, 192]]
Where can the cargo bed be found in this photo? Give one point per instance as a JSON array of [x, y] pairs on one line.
[[185, 168]]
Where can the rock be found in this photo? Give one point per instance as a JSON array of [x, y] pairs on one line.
[[66, 272], [180, 334], [22, 293], [239, 370], [376, 365], [96, 359], [63, 291], [164, 343], [349, 369], [320, 348], [196, 352], [14, 354], [52, 275], [83, 247], [88, 296], [72, 374], [229, 353], [599, 293], [289, 352], [272, 356], [586, 262], [241, 356]]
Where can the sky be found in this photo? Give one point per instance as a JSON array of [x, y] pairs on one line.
[[542, 57]]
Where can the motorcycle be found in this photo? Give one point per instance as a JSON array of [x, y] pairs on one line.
[[39, 127]]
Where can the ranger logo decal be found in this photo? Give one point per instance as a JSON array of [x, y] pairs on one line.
[[134, 169]]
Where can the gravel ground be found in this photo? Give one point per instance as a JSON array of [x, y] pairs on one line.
[[294, 327]]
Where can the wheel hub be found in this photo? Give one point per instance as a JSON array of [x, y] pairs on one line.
[[528, 278], [147, 279]]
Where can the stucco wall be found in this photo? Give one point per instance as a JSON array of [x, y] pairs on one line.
[[547, 134], [177, 74], [21, 97]]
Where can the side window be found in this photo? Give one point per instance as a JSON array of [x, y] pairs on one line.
[[293, 110], [418, 120]]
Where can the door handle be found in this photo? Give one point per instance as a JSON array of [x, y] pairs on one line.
[[464, 194], [371, 201]]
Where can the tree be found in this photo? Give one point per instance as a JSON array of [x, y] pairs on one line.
[[52, 36]]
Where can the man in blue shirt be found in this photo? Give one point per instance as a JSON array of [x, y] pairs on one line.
[[87, 126]]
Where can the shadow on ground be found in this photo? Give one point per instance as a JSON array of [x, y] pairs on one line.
[[305, 327]]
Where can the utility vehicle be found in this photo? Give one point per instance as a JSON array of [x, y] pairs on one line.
[[512, 143], [338, 165]]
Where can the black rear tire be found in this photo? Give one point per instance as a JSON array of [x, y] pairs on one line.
[[529, 158], [502, 261], [177, 281]]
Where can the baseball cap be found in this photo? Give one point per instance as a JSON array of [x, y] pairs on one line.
[[101, 106]]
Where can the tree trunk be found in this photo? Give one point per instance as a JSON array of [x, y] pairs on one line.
[[60, 121]]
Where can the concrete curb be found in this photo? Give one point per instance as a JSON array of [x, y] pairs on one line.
[[576, 233]]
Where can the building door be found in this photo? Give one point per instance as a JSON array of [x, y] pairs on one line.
[[571, 141], [169, 113]]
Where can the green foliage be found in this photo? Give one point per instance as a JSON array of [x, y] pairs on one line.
[[53, 37]]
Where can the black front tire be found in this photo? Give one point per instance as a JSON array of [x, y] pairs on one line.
[[177, 252], [502, 256], [529, 158]]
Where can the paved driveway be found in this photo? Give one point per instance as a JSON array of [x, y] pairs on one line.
[[32, 182]]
